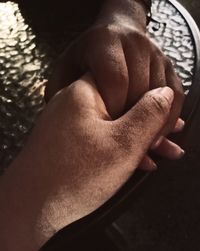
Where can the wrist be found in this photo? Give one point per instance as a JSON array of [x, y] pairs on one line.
[[19, 209], [146, 3], [134, 13]]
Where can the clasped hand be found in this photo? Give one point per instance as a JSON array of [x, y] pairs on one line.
[[125, 64], [92, 135]]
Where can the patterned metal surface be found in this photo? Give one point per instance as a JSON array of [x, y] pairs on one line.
[[25, 62], [173, 36]]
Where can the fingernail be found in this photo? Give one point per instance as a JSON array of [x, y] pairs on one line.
[[167, 92], [181, 125], [154, 167], [182, 153]]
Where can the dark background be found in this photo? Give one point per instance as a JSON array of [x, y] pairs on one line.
[[193, 6]]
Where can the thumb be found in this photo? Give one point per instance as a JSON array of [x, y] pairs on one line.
[[142, 124]]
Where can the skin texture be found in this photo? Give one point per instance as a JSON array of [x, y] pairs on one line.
[[125, 64], [81, 141], [64, 174], [123, 60]]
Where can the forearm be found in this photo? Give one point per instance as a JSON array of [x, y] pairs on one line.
[[32, 211], [20, 206]]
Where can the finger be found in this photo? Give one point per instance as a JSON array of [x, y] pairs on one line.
[[157, 142], [179, 126], [110, 71], [175, 84], [142, 124], [169, 150], [84, 99], [138, 61], [148, 164], [65, 72], [157, 71]]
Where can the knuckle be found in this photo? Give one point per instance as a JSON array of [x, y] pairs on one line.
[[112, 29], [159, 105], [140, 35], [73, 93], [141, 39], [157, 52], [67, 93], [175, 81], [168, 63], [170, 68], [108, 30], [179, 94], [77, 89], [165, 61], [178, 87], [121, 79]]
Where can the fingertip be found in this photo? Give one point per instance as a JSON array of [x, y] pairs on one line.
[[157, 142], [178, 152], [148, 164], [179, 126], [170, 150], [182, 154]]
